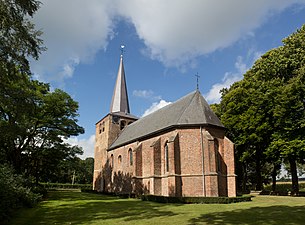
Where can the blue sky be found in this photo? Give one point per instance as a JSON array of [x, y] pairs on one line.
[[167, 43]]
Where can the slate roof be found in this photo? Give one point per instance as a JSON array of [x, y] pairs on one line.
[[119, 101], [190, 110]]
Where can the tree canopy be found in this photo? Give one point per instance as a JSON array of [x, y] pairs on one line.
[[265, 112], [34, 121], [19, 39]]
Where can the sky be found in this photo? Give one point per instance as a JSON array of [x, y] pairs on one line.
[[166, 44]]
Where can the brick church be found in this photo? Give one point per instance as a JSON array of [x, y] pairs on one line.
[[179, 150]]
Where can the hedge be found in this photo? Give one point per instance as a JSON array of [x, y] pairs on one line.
[[196, 200], [66, 186], [284, 187]]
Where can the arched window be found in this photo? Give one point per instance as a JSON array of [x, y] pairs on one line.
[[119, 159], [166, 161], [130, 157], [218, 157], [111, 160], [123, 124]]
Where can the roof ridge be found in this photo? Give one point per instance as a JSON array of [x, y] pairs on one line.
[[194, 94]]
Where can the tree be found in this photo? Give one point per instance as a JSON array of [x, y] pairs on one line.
[[18, 37], [265, 111], [34, 123]]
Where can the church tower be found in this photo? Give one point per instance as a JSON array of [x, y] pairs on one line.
[[110, 126]]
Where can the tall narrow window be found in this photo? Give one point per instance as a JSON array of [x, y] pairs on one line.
[[166, 157], [111, 160], [119, 159], [218, 156], [130, 157]]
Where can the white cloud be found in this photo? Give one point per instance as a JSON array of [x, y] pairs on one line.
[[143, 93], [213, 96], [86, 144], [74, 31], [146, 94], [175, 32], [155, 106]]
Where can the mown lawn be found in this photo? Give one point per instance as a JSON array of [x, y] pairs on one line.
[[64, 207]]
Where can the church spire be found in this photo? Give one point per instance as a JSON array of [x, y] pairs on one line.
[[119, 101]]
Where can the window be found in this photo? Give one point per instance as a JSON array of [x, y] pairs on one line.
[[102, 127], [111, 160], [218, 156], [166, 157], [123, 124], [119, 159], [130, 157]]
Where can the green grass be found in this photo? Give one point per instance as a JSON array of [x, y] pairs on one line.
[[66, 207]]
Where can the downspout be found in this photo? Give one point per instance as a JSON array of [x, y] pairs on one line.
[[203, 175]]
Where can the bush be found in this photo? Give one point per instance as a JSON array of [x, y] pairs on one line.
[[14, 193], [195, 200], [66, 186], [281, 189]]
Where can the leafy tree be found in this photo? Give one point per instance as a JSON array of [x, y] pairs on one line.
[[72, 170], [33, 123], [265, 111], [18, 37]]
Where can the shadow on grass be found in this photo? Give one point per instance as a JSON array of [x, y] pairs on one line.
[[255, 215], [83, 208]]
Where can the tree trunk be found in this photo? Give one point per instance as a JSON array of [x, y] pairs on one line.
[[259, 180], [273, 179], [276, 167], [294, 176], [245, 178]]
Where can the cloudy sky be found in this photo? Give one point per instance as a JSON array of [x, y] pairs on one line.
[[167, 43]]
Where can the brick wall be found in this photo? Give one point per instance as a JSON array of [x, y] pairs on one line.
[[187, 148]]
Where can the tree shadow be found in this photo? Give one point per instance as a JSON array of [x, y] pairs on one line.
[[83, 208], [253, 216]]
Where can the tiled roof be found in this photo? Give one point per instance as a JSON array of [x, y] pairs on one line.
[[190, 110]]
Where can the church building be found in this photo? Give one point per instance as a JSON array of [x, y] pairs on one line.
[[179, 150]]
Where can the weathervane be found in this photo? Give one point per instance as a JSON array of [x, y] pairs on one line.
[[122, 49], [196, 75]]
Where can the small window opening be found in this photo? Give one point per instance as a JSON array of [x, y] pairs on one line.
[[130, 157]]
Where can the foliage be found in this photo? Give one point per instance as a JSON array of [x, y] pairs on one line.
[[18, 36], [74, 170], [50, 186], [265, 112], [33, 123], [196, 200], [284, 187], [14, 192]]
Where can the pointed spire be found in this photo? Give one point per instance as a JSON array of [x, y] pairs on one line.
[[119, 101]]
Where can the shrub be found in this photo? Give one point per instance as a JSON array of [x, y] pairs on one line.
[[14, 193], [195, 200], [281, 189], [66, 186]]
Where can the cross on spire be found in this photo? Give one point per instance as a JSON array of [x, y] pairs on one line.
[[197, 76]]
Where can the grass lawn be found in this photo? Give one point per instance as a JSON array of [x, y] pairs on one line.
[[63, 207]]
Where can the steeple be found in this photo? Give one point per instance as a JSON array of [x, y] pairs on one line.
[[119, 101]]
